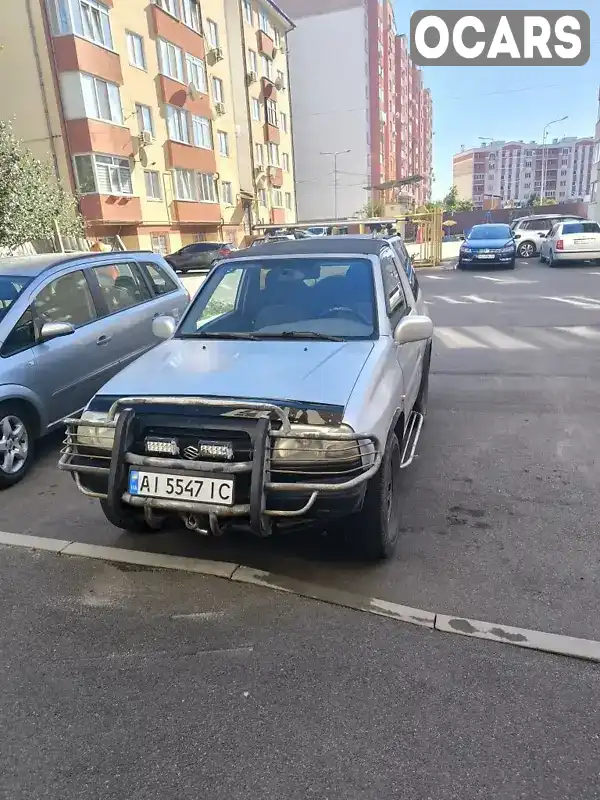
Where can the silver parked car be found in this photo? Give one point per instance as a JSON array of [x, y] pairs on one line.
[[529, 232], [68, 323], [570, 242], [293, 390]]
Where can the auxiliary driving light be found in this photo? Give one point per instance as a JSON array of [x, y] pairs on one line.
[[162, 447]]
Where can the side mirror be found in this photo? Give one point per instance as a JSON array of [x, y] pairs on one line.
[[542, 235], [164, 327], [54, 330], [414, 328]]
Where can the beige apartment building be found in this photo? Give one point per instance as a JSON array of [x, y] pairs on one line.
[[170, 119]]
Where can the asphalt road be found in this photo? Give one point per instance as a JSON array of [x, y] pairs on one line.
[[121, 682], [500, 512]]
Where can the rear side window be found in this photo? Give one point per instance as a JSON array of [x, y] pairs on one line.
[[121, 286], [538, 225], [581, 227], [160, 279]]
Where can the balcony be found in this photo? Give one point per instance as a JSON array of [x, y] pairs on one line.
[[272, 133], [269, 90], [276, 177], [185, 156], [110, 209], [174, 31], [265, 44], [277, 216], [74, 54], [176, 94], [190, 212], [93, 136]]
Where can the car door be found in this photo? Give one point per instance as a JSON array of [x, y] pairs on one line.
[[68, 369], [410, 355], [550, 240]]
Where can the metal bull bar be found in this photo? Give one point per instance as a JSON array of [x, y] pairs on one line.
[[121, 416]]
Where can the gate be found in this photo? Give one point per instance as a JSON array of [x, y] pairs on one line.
[[427, 249]]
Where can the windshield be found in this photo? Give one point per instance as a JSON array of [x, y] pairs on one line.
[[11, 287], [283, 298], [490, 232]]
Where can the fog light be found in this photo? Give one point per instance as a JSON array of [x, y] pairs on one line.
[[221, 450], [162, 447]]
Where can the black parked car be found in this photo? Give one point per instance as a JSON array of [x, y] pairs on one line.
[[200, 255]]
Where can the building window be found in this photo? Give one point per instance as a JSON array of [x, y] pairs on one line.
[[260, 155], [273, 150], [159, 243], [170, 6], [277, 198], [283, 121], [272, 113], [280, 79], [278, 37], [263, 23], [98, 174], [227, 193], [218, 93], [144, 118], [212, 33], [170, 60], [253, 61], [177, 124], [207, 190], [191, 14], [101, 99], [135, 48], [248, 12], [202, 132], [255, 109], [86, 18], [286, 162], [288, 201], [153, 185], [262, 197], [184, 185], [267, 67], [196, 73], [223, 139]]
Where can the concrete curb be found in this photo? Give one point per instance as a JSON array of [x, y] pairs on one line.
[[585, 649]]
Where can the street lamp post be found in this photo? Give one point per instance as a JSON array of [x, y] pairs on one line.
[[544, 155], [335, 155]]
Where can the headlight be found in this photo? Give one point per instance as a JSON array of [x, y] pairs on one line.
[[508, 248], [289, 451], [465, 249], [95, 435]]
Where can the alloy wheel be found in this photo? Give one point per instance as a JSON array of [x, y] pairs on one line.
[[526, 250], [14, 444]]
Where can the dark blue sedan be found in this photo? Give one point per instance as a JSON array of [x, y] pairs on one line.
[[492, 245]]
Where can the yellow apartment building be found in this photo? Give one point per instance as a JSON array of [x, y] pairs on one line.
[[170, 119]]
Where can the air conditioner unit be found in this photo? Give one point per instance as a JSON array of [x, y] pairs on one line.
[[279, 84], [146, 138], [252, 77], [274, 53], [216, 54], [220, 109]]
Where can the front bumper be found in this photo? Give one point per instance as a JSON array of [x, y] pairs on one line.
[[496, 260], [264, 492]]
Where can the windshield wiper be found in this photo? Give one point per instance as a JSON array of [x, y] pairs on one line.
[[213, 335], [300, 335]]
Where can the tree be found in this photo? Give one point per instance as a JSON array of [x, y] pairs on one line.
[[451, 199], [31, 198], [464, 205], [373, 209], [432, 206]]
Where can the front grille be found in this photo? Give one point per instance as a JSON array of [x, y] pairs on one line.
[[188, 438]]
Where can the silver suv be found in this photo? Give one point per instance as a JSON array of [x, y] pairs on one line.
[[68, 323], [531, 231]]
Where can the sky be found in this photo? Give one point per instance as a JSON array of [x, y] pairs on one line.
[[505, 102]]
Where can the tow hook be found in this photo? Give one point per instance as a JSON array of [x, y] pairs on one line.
[[193, 523]]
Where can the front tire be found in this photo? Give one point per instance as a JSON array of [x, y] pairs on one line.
[[526, 250], [17, 442], [373, 532]]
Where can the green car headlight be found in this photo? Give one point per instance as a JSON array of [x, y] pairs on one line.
[[288, 451], [95, 435]]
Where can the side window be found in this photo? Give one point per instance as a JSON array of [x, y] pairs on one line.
[[160, 279], [121, 285], [22, 336], [224, 298], [67, 299], [406, 262], [554, 231], [394, 293]]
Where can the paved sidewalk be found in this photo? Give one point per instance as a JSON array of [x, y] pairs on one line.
[[124, 682]]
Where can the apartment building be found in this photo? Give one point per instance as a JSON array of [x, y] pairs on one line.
[[414, 119], [594, 205], [500, 172], [158, 114]]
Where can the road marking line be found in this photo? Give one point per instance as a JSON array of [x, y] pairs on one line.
[[572, 302], [593, 300], [505, 281], [546, 337], [476, 299], [435, 277], [454, 339], [583, 331], [451, 300], [499, 340], [587, 649]]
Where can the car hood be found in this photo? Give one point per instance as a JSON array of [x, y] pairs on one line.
[[488, 244], [304, 371]]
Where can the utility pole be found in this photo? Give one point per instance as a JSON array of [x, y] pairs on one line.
[[335, 155], [544, 156]]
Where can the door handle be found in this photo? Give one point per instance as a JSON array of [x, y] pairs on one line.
[[103, 340]]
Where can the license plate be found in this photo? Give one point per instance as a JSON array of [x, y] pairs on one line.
[[583, 241], [218, 491], [485, 255]]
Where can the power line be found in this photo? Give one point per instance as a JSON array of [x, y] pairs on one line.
[[508, 91]]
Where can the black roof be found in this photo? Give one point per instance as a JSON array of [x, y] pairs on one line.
[[33, 266], [325, 245]]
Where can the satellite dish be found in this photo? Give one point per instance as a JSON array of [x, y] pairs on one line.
[[192, 91], [143, 157]]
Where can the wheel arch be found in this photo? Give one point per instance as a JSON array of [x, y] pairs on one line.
[[29, 401]]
